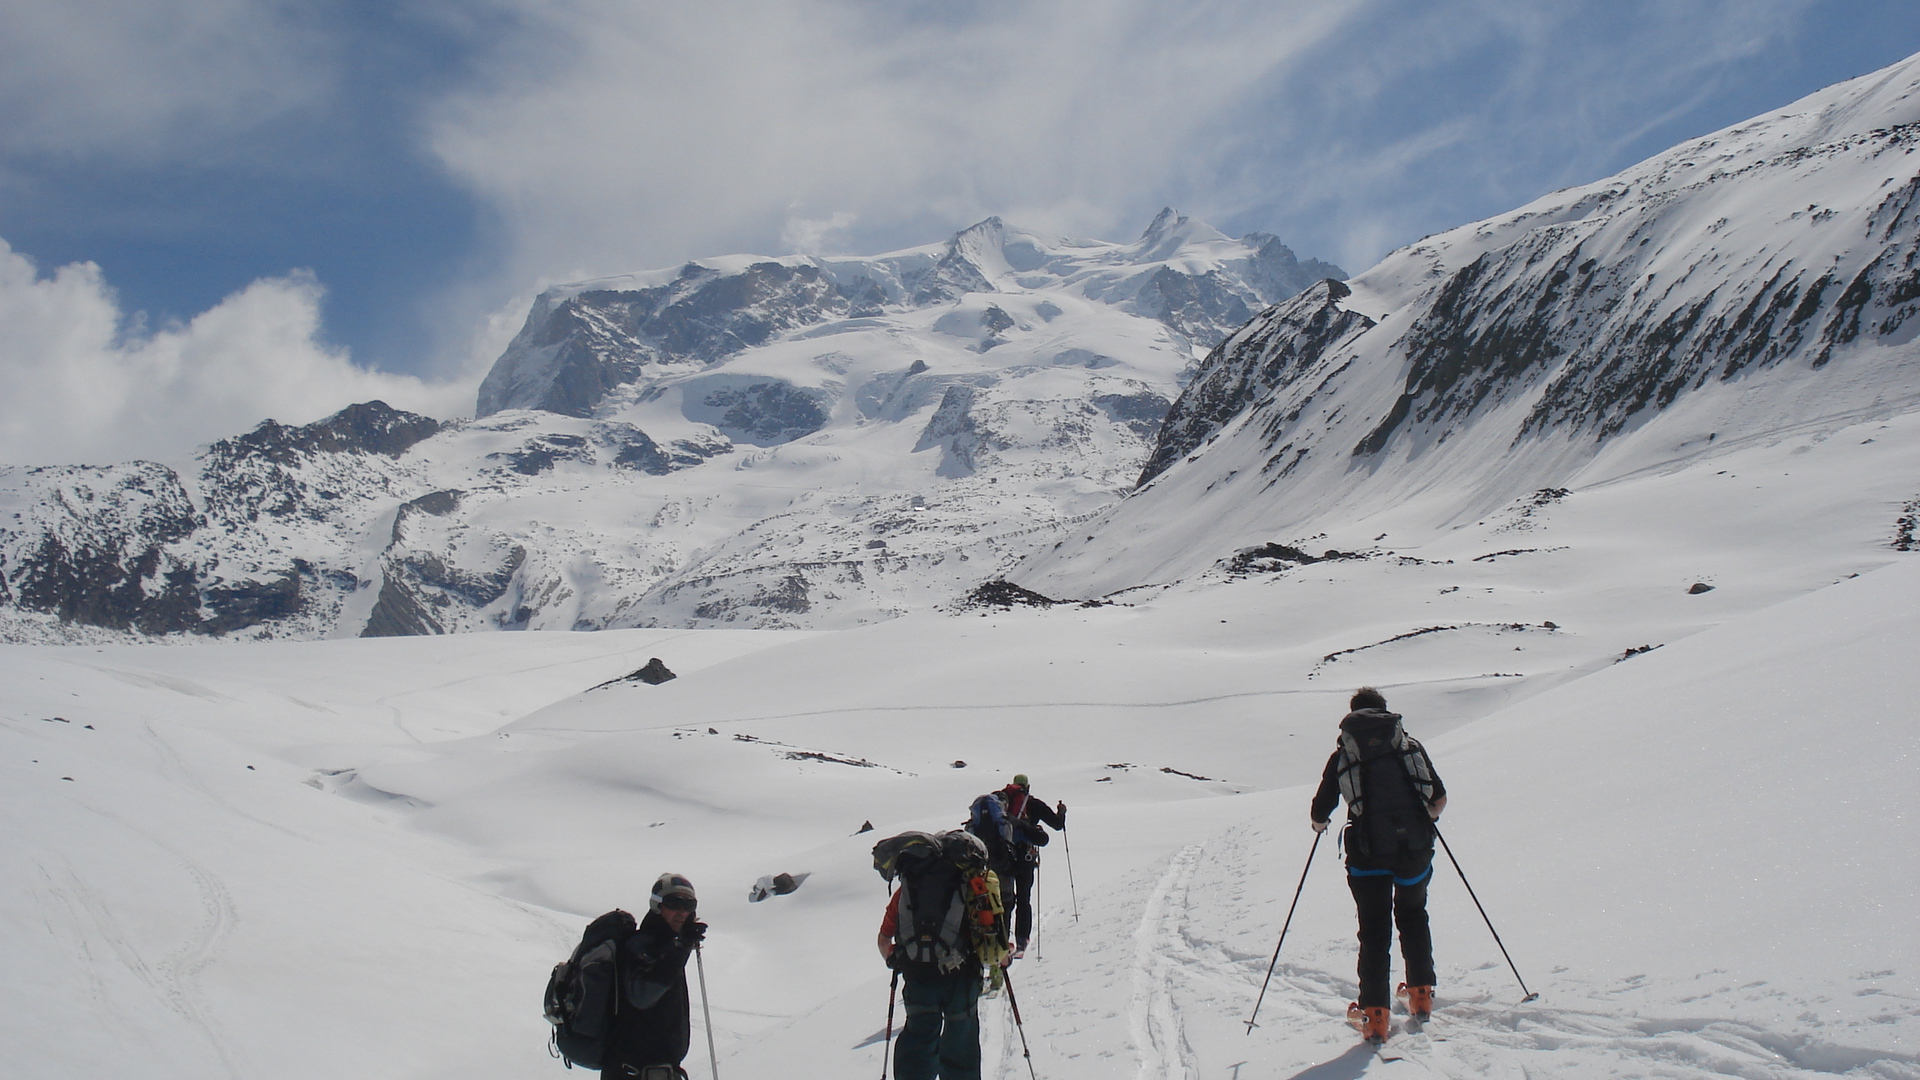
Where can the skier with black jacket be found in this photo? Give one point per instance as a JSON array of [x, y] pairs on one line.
[[653, 1023], [1028, 818], [1393, 797]]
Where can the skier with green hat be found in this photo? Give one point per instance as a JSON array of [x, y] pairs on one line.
[[1026, 819]]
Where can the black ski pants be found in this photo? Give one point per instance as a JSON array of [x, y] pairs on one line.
[[1384, 903], [1016, 894]]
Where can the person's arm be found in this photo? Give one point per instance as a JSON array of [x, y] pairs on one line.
[[1439, 801], [654, 966], [1328, 795], [889, 925], [1047, 815]]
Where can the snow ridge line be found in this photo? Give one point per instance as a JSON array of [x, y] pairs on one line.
[[1152, 1014]]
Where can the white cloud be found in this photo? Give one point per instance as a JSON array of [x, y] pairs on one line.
[[615, 135], [78, 385], [144, 79], [610, 136], [816, 236]]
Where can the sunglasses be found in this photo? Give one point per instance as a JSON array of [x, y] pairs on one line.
[[676, 903]]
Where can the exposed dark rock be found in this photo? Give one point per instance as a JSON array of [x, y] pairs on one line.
[[417, 585], [653, 674], [237, 606], [1276, 558], [572, 351], [1698, 588], [1006, 595], [399, 613], [373, 427], [766, 412], [541, 452], [432, 504]]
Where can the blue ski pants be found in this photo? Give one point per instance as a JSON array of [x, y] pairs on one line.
[[941, 1040]]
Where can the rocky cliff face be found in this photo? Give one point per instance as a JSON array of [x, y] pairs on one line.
[[251, 544]]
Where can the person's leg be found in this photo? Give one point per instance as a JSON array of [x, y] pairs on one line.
[[960, 1039], [1416, 938], [916, 1051], [1373, 903], [1023, 918]]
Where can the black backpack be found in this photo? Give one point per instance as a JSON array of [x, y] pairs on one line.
[[584, 991], [1381, 778]]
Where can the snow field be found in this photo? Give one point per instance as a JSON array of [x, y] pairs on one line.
[[1693, 855]]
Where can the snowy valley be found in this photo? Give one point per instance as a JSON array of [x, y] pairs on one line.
[[1613, 496]]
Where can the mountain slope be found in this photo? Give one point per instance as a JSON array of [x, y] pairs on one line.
[[1758, 283]]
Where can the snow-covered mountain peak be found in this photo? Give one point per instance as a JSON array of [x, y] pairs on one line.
[[760, 440], [1170, 235]]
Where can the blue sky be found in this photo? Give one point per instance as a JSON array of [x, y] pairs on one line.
[[242, 208]]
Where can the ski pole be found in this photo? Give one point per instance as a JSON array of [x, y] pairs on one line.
[[1018, 1026], [1283, 932], [886, 1049], [1071, 891], [713, 1056], [1448, 848]]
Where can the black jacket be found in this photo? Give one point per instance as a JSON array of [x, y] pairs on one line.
[[654, 1023], [1028, 834]]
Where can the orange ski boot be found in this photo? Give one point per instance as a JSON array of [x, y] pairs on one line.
[[1419, 1000], [1370, 1022]]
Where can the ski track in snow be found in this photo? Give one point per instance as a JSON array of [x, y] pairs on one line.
[[173, 978], [1160, 950]]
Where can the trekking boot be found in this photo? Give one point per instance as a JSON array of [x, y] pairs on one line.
[[1370, 1022], [1419, 1000]]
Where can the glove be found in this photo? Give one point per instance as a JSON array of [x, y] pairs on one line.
[[1319, 826], [693, 933], [893, 960], [1061, 810]]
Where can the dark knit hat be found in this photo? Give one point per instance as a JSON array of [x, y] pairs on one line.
[[670, 885]]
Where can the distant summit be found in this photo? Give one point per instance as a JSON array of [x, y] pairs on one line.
[[583, 342]]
